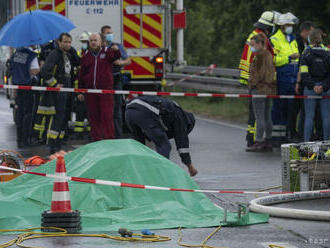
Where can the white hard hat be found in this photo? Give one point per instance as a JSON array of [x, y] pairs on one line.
[[288, 18], [269, 18], [84, 36]]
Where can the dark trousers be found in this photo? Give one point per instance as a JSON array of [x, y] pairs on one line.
[[118, 105], [296, 108], [143, 123], [318, 135], [251, 130], [100, 113], [280, 112], [81, 115], [24, 101], [57, 124]]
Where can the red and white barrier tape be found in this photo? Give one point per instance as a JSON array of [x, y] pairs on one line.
[[140, 186], [156, 93]]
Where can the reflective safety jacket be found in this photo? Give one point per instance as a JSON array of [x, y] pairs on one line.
[[247, 57], [284, 46], [20, 66]]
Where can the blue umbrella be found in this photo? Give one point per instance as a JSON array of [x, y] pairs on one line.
[[34, 28]]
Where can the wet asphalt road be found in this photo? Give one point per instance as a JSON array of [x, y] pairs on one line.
[[218, 154]]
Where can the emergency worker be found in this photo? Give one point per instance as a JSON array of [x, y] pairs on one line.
[[46, 49], [117, 79], [159, 119], [315, 75], [57, 72], [265, 25], [39, 128], [96, 73], [24, 66], [80, 107], [297, 108], [83, 38], [286, 62]]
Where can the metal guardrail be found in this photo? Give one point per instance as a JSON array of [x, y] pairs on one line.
[[219, 80]]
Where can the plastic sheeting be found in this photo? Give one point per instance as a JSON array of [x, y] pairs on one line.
[[105, 208]]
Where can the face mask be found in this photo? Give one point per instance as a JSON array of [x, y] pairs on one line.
[[109, 37], [84, 46], [254, 50], [288, 30]]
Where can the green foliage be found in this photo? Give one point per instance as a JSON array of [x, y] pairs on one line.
[[217, 30], [229, 109]]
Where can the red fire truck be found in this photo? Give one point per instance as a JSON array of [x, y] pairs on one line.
[[142, 26]]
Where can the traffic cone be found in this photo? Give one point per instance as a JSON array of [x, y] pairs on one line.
[[61, 202], [61, 215]]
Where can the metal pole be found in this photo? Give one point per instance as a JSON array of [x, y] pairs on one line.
[[179, 37]]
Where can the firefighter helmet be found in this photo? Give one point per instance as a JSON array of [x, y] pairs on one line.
[[269, 18], [84, 36], [288, 18]]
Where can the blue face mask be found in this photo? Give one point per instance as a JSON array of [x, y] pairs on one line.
[[109, 37], [253, 49]]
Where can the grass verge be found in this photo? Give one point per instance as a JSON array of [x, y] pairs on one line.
[[227, 109]]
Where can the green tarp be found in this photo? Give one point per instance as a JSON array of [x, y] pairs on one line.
[[107, 208]]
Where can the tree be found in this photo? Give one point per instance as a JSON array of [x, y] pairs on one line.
[[217, 30]]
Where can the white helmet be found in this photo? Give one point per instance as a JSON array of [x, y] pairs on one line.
[[288, 18], [84, 36], [269, 18]]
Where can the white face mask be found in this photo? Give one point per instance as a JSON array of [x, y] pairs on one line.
[[84, 46], [288, 30]]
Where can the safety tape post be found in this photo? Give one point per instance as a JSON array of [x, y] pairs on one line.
[[141, 186], [156, 93]]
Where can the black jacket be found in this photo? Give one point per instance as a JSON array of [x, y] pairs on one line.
[[315, 67], [53, 71], [176, 122], [301, 44], [46, 49]]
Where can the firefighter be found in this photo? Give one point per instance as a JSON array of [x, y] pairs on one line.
[[24, 66], [42, 115], [80, 106], [46, 49], [57, 72], [286, 62], [265, 25], [159, 119], [117, 79], [83, 38]]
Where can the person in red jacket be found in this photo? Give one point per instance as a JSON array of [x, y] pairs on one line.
[[96, 73]]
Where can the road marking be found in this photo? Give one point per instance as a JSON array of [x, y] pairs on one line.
[[277, 245], [221, 123]]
